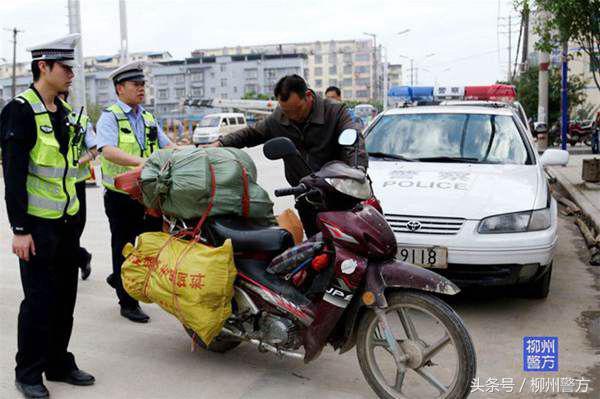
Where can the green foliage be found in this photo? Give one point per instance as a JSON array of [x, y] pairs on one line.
[[575, 21], [527, 92], [255, 96]]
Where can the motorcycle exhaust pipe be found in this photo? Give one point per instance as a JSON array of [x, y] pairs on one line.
[[262, 346]]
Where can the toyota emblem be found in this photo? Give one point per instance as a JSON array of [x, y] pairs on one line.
[[413, 225]]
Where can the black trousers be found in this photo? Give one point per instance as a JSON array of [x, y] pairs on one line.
[[308, 216], [82, 254], [127, 220], [49, 282]]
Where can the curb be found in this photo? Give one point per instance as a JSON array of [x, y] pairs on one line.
[[583, 203]]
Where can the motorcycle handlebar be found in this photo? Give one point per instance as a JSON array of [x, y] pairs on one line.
[[282, 192]]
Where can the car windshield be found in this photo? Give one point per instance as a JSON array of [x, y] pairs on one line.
[[472, 138], [210, 121]]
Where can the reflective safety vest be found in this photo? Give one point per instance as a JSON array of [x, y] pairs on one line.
[[128, 143], [51, 177], [84, 171]]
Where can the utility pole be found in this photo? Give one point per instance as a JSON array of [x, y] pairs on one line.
[[78, 99], [509, 74], [564, 104], [525, 16], [412, 71], [14, 31], [375, 77], [123, 24]]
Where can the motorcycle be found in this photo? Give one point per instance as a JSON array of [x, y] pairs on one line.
[[578, 132], [349, 290]]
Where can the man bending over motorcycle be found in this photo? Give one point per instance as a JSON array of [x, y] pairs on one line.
[[313, 124]]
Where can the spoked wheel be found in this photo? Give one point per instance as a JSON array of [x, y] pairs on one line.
[[435, 357]]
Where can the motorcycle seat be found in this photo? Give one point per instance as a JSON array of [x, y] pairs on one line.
[[247, 236]]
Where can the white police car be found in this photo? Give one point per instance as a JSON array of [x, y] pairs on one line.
[[466, 193]]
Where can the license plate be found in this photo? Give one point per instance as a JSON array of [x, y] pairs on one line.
[[430, 257]]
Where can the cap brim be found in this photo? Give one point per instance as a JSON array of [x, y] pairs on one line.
[[69, 63]]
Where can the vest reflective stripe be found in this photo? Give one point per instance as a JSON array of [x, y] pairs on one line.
[[48, 204], [83, 173], [127, 142], [54, 173], [51, 175]]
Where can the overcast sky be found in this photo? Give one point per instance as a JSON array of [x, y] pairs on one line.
[[463, 34]]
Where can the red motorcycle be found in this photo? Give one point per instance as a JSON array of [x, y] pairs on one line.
[[343, 287], [578, 132]]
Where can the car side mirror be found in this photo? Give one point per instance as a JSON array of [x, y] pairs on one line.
[[348, 137], [555, 157], [540, 127], [279, 147]]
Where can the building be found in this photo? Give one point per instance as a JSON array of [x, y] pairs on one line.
[[348, 64], [394, 75]]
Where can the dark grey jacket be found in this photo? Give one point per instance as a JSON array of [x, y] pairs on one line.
[[317, 142]]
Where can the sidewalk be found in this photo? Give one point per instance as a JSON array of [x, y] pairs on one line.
[[586, 195]]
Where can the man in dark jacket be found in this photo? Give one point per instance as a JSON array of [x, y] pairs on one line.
[[313, 124]]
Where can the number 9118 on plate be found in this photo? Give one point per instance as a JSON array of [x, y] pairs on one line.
[[430, 257]]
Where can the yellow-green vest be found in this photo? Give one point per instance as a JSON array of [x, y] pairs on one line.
[[128, 143], [51, 176]]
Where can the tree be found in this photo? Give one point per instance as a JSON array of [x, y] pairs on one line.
[[93, 111], [577, 21], [254, 96], [527, 92]]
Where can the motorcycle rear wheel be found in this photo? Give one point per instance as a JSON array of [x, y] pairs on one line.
[[220, 344], [424, 349]]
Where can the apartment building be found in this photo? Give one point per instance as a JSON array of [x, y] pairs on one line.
[[347, 64]]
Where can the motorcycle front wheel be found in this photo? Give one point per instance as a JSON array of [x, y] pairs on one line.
[[438, 357]]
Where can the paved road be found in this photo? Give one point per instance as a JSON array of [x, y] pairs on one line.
[[154, 360]]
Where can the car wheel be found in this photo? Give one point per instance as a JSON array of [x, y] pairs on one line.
[[540, 288]]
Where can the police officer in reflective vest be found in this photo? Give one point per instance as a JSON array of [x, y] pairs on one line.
[[126, 136], [40, 173], [84, 150]]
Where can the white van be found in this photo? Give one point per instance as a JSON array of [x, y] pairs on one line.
[[214, 125]]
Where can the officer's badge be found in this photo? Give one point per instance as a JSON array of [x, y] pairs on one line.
[[125, 130], [46, 129]]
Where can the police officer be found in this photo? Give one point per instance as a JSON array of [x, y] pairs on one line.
[[39, 171], [126, 135], [85, 151]]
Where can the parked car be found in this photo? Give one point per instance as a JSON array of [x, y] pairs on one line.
[[466, 193], [214, 125]]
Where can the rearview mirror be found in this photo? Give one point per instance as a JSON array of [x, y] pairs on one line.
[[348, 137], [279, 147], [554, 157]]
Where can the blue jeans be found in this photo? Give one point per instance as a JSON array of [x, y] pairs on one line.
[[596, 142]]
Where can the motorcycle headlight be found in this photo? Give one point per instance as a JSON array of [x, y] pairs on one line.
[[516, 222], [353, 188]]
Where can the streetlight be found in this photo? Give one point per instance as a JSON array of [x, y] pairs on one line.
[[375, 88], [413, 74]]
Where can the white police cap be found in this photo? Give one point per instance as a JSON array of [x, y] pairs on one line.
[[132, 71], [62, 50]]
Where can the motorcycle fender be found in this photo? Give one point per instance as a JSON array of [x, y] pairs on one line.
[[392, 274], [396, 274]]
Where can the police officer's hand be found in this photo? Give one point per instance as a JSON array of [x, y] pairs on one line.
[[22, 245], [213, 144]]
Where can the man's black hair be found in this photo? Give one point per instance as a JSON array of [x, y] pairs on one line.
[[35, 68], [290, 84], [335, 89]]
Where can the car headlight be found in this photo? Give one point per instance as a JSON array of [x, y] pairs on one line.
[[353, 188], [516, 222]]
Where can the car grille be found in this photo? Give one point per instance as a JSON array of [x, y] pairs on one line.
[[424, 224]]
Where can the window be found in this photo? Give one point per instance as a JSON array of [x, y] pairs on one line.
[[212, 75], [235, 89], [362, 69], [250, 89], [333, 58], [347, 93], [162, 79], [347, 57], [197, 77], [318, 59], [347, 82], [362, 93], [318, 71], [197, 91], [319, 82], [180, 92], [332, 46], [180, 78], [347, 69], [223, 82], [485, 138], [213, 90], [163, 94], [362, 57], [333, 82], [231, 121], [102, 83], [251, 74], [223, 95], [333, 70], [362, 81], [240, 120]]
